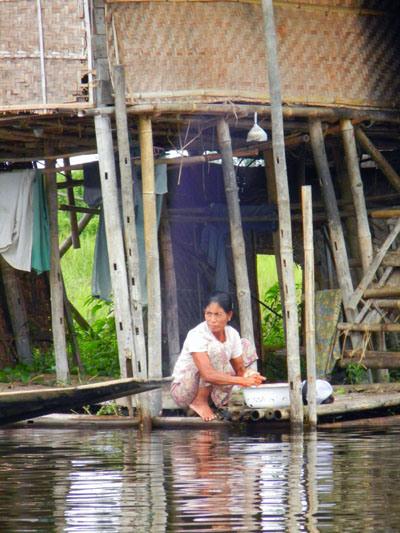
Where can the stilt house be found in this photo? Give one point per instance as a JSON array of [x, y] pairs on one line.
[[133, 80]]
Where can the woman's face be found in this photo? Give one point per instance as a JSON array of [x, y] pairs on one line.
[[216, 317]]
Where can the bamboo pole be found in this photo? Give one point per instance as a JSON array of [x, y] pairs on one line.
[[71, 200], [309, 293], [353, 171], [55, 279], [371, 271], [389, 328], [17, 311], [171, 296], [285, 230], [152, 259], [382, 292], [385, 213], [376, 155], [115, 246], [236, 232]]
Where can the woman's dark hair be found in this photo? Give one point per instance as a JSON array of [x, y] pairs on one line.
[[223, 299]]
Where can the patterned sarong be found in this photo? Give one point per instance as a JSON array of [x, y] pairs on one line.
[[185, 391]]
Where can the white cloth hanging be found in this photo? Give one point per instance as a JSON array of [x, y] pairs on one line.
[[16, 217]]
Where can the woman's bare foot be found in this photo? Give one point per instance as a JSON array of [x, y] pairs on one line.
[[203, 410], [200, 404]]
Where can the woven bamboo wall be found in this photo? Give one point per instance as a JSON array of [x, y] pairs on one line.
[[331, 52], [65, 55]]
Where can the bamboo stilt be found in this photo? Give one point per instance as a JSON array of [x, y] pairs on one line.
[[115, 245], [236, 231], [56, 285], [152, 259], [285, 230], [309, 293], [354, 174]]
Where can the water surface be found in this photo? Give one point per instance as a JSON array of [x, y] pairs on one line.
[[198, 480]]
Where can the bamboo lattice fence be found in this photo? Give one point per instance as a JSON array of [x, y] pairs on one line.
[[43, 53], [343, 52]]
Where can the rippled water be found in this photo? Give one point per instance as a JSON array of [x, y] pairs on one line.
[[198, 480]]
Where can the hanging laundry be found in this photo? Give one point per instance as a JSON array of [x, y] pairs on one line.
[[41, 229], [16, 217]]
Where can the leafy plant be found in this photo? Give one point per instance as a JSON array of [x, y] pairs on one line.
[[355, 373], [98, 346], [272, 318]]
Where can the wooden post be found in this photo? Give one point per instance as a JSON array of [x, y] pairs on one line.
[[285, 229], [236, 230], [353, 171], [152, 259], [309, 294], [128, 207], [115, 245], [71, 201], [384, 165], [56, 283], [171, 296], [17, 311]]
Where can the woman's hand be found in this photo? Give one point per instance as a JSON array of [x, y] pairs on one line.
[[252, 378]]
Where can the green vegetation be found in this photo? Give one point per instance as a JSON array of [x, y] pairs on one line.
[[273, 336]]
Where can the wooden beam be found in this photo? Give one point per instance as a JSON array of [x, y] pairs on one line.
[[152, 259], [285, 229], [370, 273], [236, 232], [55, 279], [309, 300], [376, 155]]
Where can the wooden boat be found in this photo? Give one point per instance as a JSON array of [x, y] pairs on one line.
[[24, 404]]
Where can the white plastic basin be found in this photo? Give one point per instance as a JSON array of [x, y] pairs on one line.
[[273, 395]]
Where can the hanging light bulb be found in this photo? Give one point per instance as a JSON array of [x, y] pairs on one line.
[[256, 134]]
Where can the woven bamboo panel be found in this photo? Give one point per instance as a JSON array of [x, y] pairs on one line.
[[215, 50], [65, 55]]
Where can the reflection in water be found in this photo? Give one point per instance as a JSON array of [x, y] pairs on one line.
[[207, 480]]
